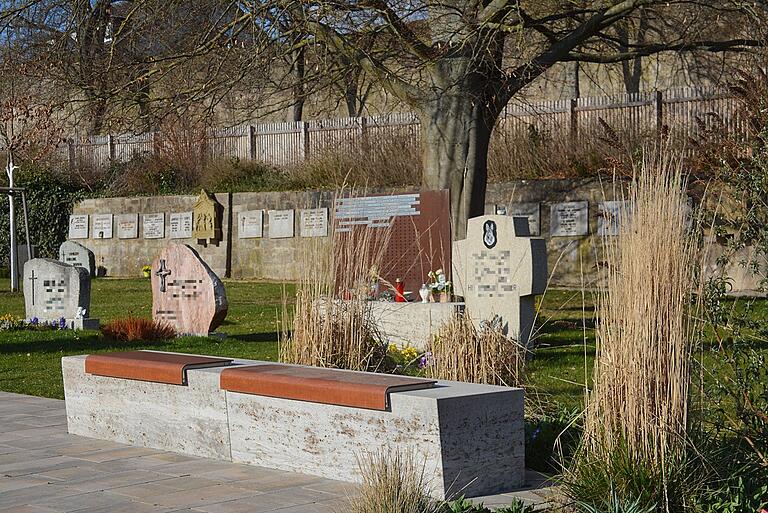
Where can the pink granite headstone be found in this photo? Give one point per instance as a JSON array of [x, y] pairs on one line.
[[186, 293]]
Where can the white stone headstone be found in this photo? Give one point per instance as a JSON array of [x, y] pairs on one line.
[[102, 226], [609, 217], [78, 226], [127, 226], [531, 211], [313, 222], [281, 224], [181, 225], [570, 219], [54, 290], [499, 269], [186, 293], [153, 226], [73, 253], [250, 224]]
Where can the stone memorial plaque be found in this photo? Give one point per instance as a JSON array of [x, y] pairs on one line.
[[54, 290], [207, 213], [313, 222], [181, 225], [78, 226], [102, 226], [250, 224], [569, 219], [420, 237], [531, 211], [281, 224], [127, 226], [186, 293], [154, 226], [76, 254], [500, 269], [609, 217]]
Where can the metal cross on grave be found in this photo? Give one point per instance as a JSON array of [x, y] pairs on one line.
[[32, 284], [163, 272]]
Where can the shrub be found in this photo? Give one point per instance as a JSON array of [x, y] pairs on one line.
[[462, 352], [132, 329]]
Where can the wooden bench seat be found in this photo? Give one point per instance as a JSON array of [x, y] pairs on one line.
[[169, 368], [326, 386]]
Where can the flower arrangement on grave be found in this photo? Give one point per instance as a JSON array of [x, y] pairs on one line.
[[147, 271], [440, 286], [9, 322]]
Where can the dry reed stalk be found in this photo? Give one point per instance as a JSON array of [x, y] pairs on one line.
[[646, 321], [332, 325], [393, 482], [462, 352]]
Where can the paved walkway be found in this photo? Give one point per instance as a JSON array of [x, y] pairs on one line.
[[43, 469]]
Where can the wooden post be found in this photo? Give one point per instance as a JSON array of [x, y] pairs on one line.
[[251, 142], [658, 103], [111, 148], [363, 122], [573, 121], [71, 153], [303, 129]]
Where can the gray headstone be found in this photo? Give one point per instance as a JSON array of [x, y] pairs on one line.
[[181, 225], [499, 269], [531, 211], [250, 224], [610, 215], [313, 222], [55, 290], [154, 226], [74, 253], [281, 224], [570, 219], [78, 226], [102, 226], [127, 226]]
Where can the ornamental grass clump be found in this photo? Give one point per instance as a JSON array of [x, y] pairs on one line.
[[330, 324], [462, 351], [635, 442], [130, 329]]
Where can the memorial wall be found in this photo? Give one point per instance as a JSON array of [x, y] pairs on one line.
[[261, 234]]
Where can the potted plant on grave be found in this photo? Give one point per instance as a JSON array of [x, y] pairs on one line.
[[146, 271], [439, 286]]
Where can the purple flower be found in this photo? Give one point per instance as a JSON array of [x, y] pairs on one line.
[[62, 323], [34, 321], [425, 360]]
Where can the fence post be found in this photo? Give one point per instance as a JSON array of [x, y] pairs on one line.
[[71, 153], [658, 103], [111, 148], [251, 142], [303, 129], [573, 117]]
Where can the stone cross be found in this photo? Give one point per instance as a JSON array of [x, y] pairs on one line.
[[194, 301], [32, 280], [163, 273], [499, 269]]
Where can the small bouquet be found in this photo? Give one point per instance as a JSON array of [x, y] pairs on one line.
[[439, 284], [146, 271]]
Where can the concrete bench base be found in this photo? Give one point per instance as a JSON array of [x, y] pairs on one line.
[[469, 437]]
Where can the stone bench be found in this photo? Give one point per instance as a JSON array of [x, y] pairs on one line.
[[468, 437]]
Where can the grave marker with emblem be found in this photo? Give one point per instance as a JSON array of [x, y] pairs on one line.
[[499, 269], [54, 291], [102, 226], [186, 293], [78, 226], [76, 254]]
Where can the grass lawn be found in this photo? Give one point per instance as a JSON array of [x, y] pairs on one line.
[[30, 361]]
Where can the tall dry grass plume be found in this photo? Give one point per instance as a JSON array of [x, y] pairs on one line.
[[462, 351], [331, 324], [639, 403], [393, 482]]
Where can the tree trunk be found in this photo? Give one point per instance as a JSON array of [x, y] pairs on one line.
[[299, 65], [456, 132]]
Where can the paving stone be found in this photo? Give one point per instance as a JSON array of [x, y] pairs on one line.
[[202, 496]]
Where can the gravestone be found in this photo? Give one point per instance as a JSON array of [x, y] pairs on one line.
[[207, 213], [570, 219], [281, 224], [609, 217], [54, 291], [181, 225], [154, 226], [78, 226], [127, 226], [499, 269], [250, 224], [102, 226], [531, 211], [313, 222], [186, 293], [74, 253]]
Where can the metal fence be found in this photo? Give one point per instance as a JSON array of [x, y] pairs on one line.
[[684, 113]]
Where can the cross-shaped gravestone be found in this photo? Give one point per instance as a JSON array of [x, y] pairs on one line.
[[163, 272], [499, 269], [63, 291], [194, 301]]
